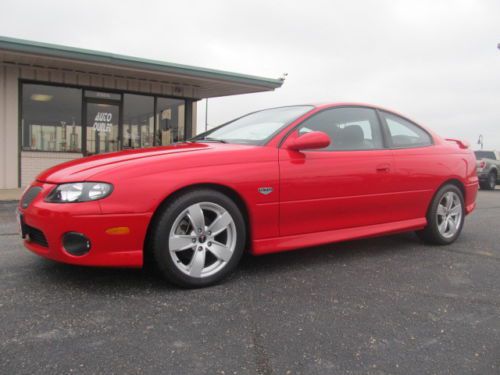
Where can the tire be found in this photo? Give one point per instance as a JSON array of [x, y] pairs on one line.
[[439, 212], [186, 251], [491, 182]]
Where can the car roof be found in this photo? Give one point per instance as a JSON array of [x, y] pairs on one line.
[[354, 104]]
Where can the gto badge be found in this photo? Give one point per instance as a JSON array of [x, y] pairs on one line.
[[265, 190]]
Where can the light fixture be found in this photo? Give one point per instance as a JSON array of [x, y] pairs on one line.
[[41, 97]]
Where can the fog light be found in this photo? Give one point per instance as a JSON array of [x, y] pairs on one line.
[[76, 243]]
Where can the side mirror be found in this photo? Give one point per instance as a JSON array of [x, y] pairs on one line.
[[310, 141]]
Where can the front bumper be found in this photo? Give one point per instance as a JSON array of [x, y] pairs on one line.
[[108, 247]]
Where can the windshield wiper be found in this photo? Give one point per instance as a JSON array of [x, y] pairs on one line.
[[209, 139]]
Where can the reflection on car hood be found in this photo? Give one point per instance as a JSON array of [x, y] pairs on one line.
[[82, 168]]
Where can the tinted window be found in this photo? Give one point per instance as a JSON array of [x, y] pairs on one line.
[[51, 118], [348, 128], [485, 155], [404, 133], [138, 121], [170, 121], [256, 128]]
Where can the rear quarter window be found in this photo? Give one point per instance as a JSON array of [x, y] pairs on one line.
[[405, 134]]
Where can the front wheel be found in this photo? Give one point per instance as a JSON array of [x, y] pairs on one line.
[[199, 238], [445, 218]]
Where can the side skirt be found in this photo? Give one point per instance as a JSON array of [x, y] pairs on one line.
[[295, 242]]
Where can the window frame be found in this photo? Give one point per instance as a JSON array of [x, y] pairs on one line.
[[21, 82], [383, 135], [20, 145], [387, 133]]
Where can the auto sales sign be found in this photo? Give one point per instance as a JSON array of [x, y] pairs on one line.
[[103, 122]]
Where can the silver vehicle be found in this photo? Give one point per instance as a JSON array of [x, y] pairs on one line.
[[488, 167]]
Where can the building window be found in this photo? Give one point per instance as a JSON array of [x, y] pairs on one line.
[[51, 118], [138, 121], [170, 121]]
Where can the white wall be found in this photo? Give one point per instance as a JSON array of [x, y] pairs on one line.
[[9, 128], [32, 163]]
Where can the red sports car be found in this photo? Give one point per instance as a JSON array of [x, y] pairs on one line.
[[273, 180]]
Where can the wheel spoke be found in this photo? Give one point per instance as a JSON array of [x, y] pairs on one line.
[[220, 223], [180, 242], [452, 225], [195, 214], [449, 200], [441, 210], [442, 227], [221, 251], [197, 263]]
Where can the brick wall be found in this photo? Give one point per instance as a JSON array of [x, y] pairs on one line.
[[32, 163]]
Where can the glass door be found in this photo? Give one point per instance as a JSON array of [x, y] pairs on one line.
[[102, 127]]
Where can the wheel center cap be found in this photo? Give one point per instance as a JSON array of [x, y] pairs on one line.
[[202, 238]]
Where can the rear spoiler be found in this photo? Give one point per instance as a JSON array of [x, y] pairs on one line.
[[461, 144]]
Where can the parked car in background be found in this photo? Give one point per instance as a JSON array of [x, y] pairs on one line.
[[273, 180], [488, 167]]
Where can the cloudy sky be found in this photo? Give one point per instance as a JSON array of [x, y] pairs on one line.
[[435, 61]]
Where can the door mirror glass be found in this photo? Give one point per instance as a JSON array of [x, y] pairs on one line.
[[310, 141]]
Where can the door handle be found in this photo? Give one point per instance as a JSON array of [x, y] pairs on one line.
[[383, 168]]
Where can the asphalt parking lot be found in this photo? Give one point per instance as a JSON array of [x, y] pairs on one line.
[[379, 306]]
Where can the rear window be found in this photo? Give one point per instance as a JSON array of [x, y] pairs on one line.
[[485, 155]]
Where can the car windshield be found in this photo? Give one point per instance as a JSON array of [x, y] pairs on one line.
[[255, 128], [485, 155]]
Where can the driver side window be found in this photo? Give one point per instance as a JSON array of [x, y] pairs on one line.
[[349, 128]]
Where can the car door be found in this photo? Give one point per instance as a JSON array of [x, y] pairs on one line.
[[418, 168], [346, 185]]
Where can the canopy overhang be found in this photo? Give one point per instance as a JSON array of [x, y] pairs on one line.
[[200, 82]]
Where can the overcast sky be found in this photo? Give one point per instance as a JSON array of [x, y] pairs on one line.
[[434, 61]]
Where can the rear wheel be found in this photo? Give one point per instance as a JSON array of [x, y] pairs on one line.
[[445, 217], [491, 182], [199, 238]]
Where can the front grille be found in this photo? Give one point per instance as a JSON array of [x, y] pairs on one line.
[[35, 235], [30, 195]]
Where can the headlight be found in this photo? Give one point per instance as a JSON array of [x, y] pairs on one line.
[[79, 192]]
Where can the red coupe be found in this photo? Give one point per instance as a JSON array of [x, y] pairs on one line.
[[273, 180]]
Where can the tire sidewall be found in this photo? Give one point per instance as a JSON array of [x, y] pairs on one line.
[[432, 214], [492, 181], [164, 224]]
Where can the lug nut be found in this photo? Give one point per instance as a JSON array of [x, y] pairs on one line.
[[194, 240], [209, 233], [200, 248], [209, 243], [199, 230]]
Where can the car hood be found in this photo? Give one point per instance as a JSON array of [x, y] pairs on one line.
[[84, 168]]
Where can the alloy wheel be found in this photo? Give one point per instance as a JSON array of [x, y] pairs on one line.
[[449, 214], [202, 239]]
